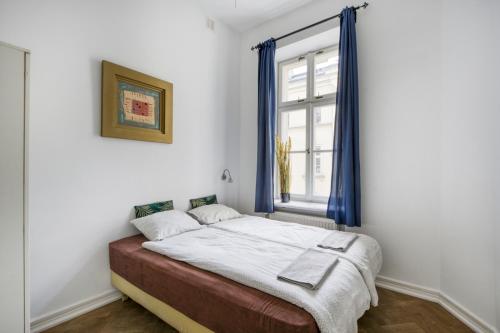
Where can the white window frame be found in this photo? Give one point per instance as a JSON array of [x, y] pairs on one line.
[[308, 103]]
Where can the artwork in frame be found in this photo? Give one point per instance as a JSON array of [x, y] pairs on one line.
[[135, 106]]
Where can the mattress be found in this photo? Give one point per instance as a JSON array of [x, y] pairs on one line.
[[218, 303], [336, 304]]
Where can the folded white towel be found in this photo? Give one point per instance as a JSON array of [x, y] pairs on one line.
[[338, 240], [309, 269]]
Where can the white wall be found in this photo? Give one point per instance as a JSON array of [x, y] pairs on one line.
[[429, 116], [83, 186], [469, 155], [399, 113]]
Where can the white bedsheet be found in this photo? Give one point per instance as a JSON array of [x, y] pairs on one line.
[[336, 305], [365, 252]]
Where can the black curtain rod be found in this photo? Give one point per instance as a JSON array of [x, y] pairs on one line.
[[364, 5]]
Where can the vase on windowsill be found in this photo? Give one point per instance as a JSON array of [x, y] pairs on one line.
[[283, 159], [285, 197]]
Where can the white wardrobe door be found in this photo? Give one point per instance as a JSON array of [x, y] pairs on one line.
[[11, 189]]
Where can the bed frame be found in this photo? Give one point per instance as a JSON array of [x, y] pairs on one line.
[[168, 314]]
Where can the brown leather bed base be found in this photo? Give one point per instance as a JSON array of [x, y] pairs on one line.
[[213, 301]]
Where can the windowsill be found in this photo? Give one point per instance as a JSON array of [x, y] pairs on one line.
[[301, 207]]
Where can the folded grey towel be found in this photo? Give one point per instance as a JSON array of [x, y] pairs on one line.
[[309, 269], [338, 240]]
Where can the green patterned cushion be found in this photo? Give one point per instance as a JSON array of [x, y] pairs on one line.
[[155, 207], [209, 200]]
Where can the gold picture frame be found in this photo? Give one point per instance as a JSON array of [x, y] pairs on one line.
[[135, 106]]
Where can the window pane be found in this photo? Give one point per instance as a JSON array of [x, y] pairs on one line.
[[324, 119], [294, 81], [322, 170], [298, 173], [325, 73], [293, 125]]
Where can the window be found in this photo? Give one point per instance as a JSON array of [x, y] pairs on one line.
[[317, 161], [306, 113]]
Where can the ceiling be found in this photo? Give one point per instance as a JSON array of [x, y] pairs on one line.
[[248, 13]]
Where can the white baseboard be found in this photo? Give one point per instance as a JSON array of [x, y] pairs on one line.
[[452, 306], [55, 318], [408, 288]]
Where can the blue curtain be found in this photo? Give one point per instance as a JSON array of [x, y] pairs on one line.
[[344, 204], [264, 189]]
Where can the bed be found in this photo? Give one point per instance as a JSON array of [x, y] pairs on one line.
[[205, 280], [168, 287]]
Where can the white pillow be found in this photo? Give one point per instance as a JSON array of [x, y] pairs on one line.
[[165, 224], [209, 214]]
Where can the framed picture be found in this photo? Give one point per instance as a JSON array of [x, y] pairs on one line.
[[135, 106]]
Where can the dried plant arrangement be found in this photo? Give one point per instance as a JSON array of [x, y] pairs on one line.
[[283, 158]]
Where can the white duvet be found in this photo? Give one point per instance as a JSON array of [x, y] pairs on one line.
[[364, 252], [336, 305]]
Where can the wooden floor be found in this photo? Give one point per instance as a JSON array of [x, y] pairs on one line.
[[395, 313]]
